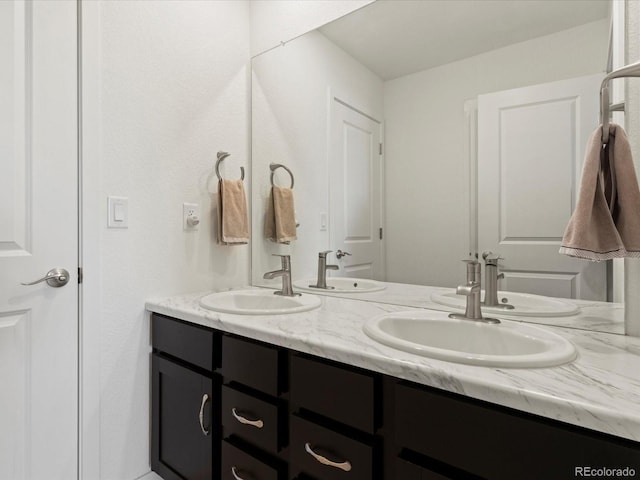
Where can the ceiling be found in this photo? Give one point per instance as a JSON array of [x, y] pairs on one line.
[[398, 37]]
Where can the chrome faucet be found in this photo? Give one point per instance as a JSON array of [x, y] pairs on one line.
[[322, 271], [285, 273], [471, 290], [491, 281]]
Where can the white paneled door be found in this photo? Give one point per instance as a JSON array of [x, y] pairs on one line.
[[355, 187], [531, 144], [38, 233]]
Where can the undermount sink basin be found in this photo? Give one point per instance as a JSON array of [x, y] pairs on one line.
[[258, 302], [434, 334], [341, 285], [525, 304]]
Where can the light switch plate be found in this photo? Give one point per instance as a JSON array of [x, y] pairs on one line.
[[117, 212]]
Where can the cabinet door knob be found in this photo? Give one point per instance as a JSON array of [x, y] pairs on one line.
[[234, 472], [245, 421], [205, 399], [346, 465]]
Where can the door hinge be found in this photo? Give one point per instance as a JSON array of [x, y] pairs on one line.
[[380, 148], [380, 233], [79, 275]]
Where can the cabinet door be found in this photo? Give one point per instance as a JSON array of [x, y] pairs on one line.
[[182, 422]]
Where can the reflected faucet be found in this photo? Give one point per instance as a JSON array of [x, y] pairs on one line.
[[285, 273], [321, 282], [491, 281], [471, 290]]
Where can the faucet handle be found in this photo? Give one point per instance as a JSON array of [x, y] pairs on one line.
[[491, 257], [286, 260], [324, 254]]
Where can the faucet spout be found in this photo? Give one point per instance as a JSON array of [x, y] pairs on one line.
[[468, 289], [274, 274]]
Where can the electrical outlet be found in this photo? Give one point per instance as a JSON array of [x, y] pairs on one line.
[[190, 216]]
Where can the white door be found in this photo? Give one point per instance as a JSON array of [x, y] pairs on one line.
[[355, 191], [38, 232], [531, 144]]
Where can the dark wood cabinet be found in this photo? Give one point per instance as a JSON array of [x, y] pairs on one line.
[[230, 408], [183, 405], [482, 440], [329, 453]]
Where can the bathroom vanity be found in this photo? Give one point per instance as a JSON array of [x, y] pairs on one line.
[[309, 396]]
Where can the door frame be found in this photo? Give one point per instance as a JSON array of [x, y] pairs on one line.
[[89, 160]]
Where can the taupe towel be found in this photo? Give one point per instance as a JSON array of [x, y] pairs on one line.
[[606, 221], [280, 222], [233, 222]]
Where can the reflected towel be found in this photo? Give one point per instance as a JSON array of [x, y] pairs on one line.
[[280, 222], [606, 221], [233, 221]]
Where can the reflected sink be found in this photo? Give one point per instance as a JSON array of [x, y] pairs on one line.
[[341, 285], [434, 334], [526, 304], [258, 302]]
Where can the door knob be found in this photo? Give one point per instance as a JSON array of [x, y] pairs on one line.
[[56, 277], [340, 254]]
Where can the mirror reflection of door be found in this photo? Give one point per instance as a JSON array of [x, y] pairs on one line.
[[356, 205], [531, 144]]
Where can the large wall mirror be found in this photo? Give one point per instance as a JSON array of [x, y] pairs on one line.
[[419, 133]]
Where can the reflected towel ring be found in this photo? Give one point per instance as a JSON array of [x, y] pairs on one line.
[[632, 70], [221, 157], [274, 167]]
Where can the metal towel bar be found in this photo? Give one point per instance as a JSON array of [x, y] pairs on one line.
[[274, 166], [221, 157]]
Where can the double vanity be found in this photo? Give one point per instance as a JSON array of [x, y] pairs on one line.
[[252, 385]]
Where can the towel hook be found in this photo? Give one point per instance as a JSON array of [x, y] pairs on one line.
[[221, 157], [274, 167], [632, 70]]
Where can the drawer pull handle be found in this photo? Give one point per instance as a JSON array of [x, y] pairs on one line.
[[234, 472], [245, 421], [205, 399], [346, 466]]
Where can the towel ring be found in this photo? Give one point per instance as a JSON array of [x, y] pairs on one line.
[[221, 157], [274, 167], [632, 70]]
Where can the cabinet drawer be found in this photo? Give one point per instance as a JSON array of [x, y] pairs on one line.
[[339, 393], [239, 465], [408, 471], [252, 364], [191, 343], [350, 454], [263, 429], [498, 443]]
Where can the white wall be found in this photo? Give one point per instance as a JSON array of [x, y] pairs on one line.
[[276, 21], [165, 87], [290, 88], [427, 173]]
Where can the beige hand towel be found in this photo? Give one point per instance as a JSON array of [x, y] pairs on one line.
[[233, 222], [280, 221], [606, 221]]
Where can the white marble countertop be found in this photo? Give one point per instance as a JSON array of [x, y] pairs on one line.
[[600, 390]]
